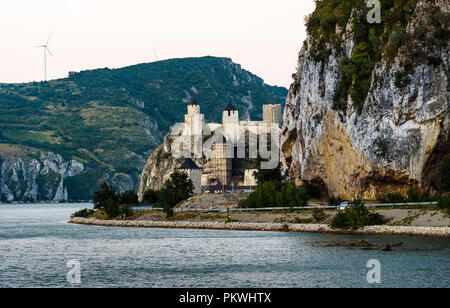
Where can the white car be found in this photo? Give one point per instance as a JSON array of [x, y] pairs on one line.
[[343, 206]]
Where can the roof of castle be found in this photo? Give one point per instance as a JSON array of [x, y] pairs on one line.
[[230, 107], [194, 103], [189, 165]]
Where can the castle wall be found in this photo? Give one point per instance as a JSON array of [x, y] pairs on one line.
[[272, 114], [220, 165], [196, 177], [209, 128], [194, 122], [249, 177]]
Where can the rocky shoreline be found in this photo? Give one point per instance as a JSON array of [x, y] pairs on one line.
[[272, 227]]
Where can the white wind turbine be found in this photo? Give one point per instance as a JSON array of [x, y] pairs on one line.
[[46, 49]]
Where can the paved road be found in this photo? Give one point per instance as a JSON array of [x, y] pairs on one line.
[[306, 208]]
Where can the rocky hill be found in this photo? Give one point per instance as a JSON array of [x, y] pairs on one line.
[[368, 111], [29, 175], [107, 122]]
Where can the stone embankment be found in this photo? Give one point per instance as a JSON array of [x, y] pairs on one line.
[[274, 227]]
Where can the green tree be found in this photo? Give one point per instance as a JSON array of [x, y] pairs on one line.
[[175, 190], [357, 215], [151, 196], [441, 179], [106, 200], [129, 197], [268, 175], [103, 195], [112, 208]]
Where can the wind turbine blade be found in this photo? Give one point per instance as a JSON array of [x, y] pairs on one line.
[[50, 53], [42, 46], [50, 36]]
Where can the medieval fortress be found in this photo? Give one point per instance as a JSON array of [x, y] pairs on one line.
[[218, 169]]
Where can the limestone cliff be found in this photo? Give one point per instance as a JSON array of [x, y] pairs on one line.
[[29, 175], [160, 165], [368, 111]]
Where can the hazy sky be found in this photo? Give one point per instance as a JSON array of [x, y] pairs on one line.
[[263, 36]]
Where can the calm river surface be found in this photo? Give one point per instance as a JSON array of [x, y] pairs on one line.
[[36, 242]]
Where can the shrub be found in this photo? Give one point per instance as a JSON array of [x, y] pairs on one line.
[[229, 221], [441, 179], [356, 217], [125, 210], [392, 198], [383, 147], [444, 203], [100, 215], [396, 38], [414, 195], [318, 215], [375, 219], [276, 194], [402, 79], [84, 213], [266, 195], [339, 221]]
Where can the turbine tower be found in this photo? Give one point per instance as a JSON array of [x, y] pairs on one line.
[[46, 49], [156, 55]]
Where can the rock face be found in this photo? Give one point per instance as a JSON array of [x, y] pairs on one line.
[[160, 165], [29, 175], [398, 136]]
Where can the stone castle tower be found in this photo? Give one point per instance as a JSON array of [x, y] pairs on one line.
[[272, 114], [194, 172], [194, 118]]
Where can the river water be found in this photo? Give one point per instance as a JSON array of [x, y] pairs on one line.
[[36, 244]]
